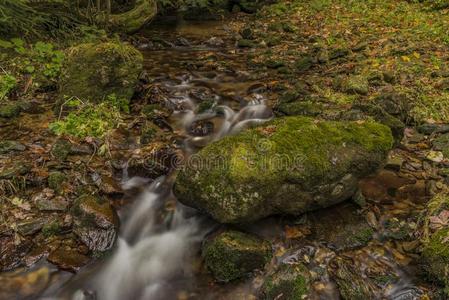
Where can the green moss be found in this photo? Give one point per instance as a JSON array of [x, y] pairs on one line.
[[55, 181], [435, 252], [10, 110], [355, 85], [300, 108], [304, 63], [95, 71], [61, 149], [134, 19], [436, 257], [363, 236], [233, 254], [246, 169], [290, 282], [51, 229]]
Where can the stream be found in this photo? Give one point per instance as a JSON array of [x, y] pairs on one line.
[[157, 253]]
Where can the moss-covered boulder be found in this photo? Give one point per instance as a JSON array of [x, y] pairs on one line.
[[435, 254], [287, 166], [95, 71], [289, 282], [233, 254], [134, 19]]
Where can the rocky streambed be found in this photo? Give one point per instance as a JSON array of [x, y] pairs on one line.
[[344, 203]]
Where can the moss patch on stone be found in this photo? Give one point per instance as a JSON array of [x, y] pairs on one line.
[[290, 282], [232, 255]]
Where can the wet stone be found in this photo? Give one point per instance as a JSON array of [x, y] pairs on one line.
[[95, 222], [46, 201], [416, 138], [31, 227], [10, 146], [24, 286], [341, 228], [441, 143], [110, 186], [68, 259], [201, 128], [433, 128], [11, 253], [15, 170], [394, 163]]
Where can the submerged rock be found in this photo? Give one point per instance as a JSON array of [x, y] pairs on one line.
[[95, 222], [232, 254], [435, 254], [288, 166], [95, 71], [290, 282]]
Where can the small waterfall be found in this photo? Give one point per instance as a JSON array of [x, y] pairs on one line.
[[152, 253]]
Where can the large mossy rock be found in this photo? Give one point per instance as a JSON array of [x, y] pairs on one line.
[[289, 282], [287, 166], [435, 254], [95, 71], [233, 254]]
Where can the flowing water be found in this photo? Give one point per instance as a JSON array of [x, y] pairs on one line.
[[155, 250]]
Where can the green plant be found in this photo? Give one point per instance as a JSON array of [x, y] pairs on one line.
[[119, 103], [40, 60], [7, 84], [88, 120]]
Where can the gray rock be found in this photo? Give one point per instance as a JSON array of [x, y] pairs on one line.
[[9, 146]]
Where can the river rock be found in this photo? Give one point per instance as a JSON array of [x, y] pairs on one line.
[[435, 254], [11, 253], [95, 222], [290, 165], [233, 254], [289, 282], [67, 259], [95, 71]]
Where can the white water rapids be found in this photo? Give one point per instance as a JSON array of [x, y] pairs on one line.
[[150, 254]]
